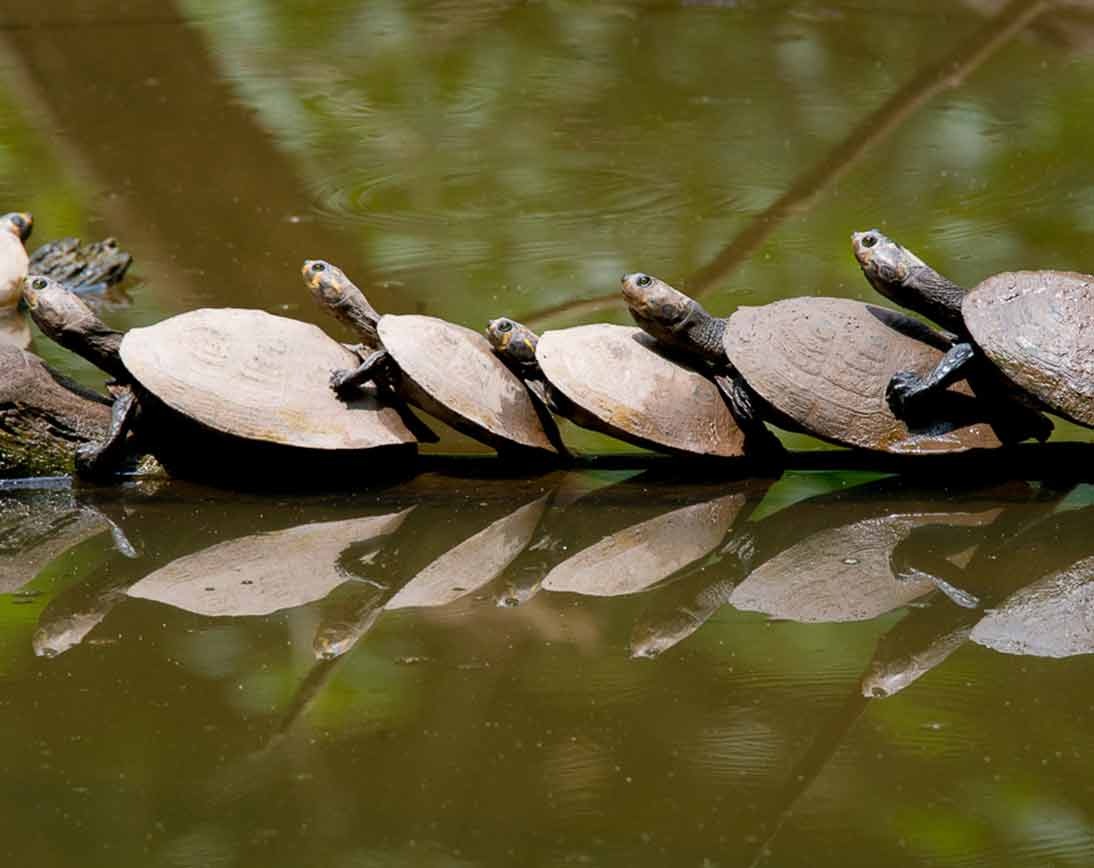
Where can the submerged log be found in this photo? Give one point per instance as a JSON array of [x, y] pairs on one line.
[[44, 416]]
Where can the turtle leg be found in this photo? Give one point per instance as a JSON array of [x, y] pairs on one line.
[[738, 397], [102, 459], [906, 389], [347, 381]]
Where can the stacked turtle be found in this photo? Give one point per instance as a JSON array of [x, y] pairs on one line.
[[267, 393]]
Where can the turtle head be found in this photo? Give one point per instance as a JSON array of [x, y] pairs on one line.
[[18, 223], [655, 305], [512, 341], [53, 307], [885, 263], [341, 296]]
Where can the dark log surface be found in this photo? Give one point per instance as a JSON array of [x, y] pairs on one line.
[[43, 416]]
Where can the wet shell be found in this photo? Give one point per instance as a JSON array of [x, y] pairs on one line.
[[825, 363], [644, 554], [257, 376], [1038, 328], [265, 572], [457, 378], [615, 375]]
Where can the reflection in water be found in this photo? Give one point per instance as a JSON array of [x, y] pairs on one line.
[[732, 692], [264, 573]]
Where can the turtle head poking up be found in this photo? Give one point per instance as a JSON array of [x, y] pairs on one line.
[[512, 341], [341, 296], [886, 264], [18, 223], [55, 309], [676, 320]]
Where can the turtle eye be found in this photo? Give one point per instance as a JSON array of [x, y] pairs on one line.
[[644, 280], [505, 326], [869, 241], [38, 283], [318, 266]]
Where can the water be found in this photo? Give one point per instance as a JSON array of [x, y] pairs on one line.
[[605, 666]]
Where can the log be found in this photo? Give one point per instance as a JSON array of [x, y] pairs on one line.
[[44, 416]]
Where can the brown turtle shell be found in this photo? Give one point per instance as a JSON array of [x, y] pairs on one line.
[[452, 373], [623, 386], [1038, 328], [824, 364], [260, 377]]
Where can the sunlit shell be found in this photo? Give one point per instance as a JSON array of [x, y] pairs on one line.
[[457, 369], [616, 375], [258, 376]]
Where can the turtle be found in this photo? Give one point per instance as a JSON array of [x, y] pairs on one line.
[[819, 366], [445, 369], [221, 390], [83, 268], [15, 229], [1028, 333], [614, 379]]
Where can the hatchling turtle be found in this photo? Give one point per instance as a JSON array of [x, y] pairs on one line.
[[443, 368], [249, 384], [615, 380], [15, 228], [1035, 327], [819, 366]]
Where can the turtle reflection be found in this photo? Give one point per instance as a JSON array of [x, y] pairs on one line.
[[825, 559], [1037, 603]]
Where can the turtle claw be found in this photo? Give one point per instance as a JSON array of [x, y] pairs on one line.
[[902, 390], [342, 384], [88, 461]]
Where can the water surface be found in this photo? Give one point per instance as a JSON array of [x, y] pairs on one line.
[[604, 667]]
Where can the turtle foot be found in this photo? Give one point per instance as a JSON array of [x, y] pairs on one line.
[[342, 383], [89, 462], [902, 392]]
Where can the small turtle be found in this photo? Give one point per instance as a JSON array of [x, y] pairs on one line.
[[615, 380], [1036, 327], [83, 268], [445, 369], [818, 366], [244, 381], [15, 228]]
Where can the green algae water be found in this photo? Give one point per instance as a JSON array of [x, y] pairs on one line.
[[610, 666]]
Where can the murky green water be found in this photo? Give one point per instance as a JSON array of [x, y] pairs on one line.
[[605, 667]]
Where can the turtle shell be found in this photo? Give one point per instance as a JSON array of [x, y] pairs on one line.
[[453, 374], [1038, 328], [625, 387], [258, 376], [824, 364]]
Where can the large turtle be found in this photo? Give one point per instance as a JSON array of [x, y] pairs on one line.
[[819, 366], [15, 228], [614, 379], [445, 369], [1037, 327], [240, 391]]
